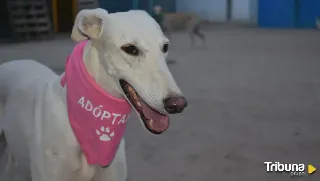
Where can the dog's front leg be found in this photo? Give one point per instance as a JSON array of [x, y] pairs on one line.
[[66, 166], [117, 171]]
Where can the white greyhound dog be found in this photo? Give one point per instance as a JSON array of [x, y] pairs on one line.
[[53, 125]]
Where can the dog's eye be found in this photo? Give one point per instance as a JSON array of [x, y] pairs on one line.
[[130, 49], [165, 48]]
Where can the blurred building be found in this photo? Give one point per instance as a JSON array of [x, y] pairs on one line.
[[288, 13], [264, 13], [242, 11], [40, 17]]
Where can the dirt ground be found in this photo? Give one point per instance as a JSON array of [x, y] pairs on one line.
[[254, 96]]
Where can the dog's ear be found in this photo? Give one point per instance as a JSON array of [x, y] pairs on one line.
[[88, 24]]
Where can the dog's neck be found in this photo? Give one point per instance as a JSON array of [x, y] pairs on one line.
[[94, 67]]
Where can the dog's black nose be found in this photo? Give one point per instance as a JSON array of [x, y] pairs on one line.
[[174, 105]]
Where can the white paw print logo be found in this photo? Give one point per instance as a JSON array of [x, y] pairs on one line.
[[105, 134]]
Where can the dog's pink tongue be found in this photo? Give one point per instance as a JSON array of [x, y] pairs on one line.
[[156, 121]]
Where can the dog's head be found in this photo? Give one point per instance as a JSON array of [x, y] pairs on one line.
[[132, 51]]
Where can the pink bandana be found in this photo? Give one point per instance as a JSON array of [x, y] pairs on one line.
[[97, 118]]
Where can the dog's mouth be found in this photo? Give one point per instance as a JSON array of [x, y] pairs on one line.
[[153, 120]]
